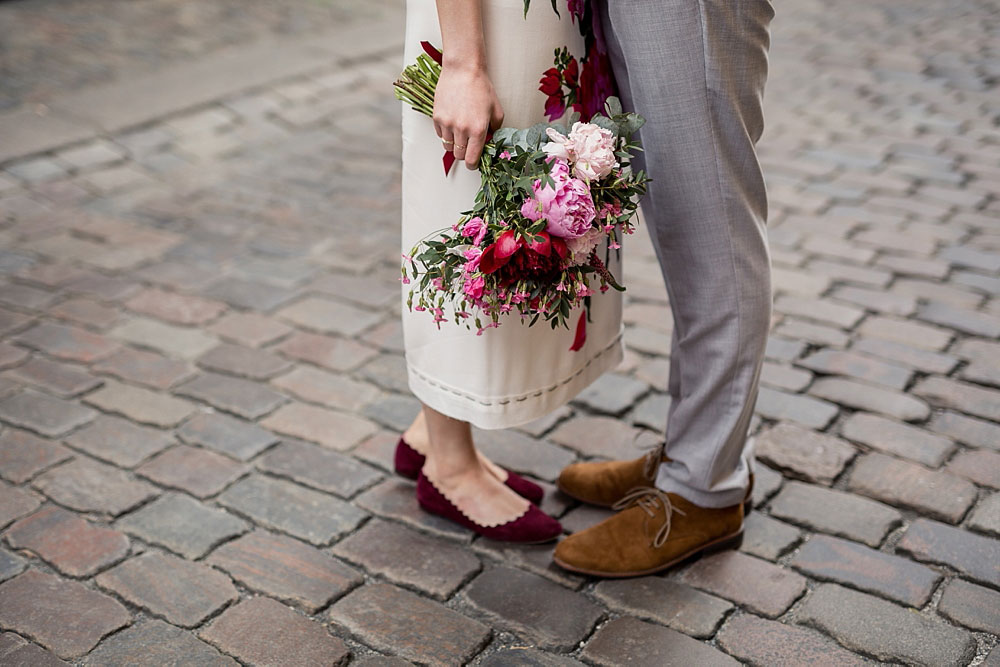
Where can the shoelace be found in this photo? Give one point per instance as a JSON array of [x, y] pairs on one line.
[[651, 499]]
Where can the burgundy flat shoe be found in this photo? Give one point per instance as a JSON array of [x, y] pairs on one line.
[[532, 527], [409, 461]]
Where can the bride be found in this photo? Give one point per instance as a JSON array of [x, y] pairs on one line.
[[493, 58]]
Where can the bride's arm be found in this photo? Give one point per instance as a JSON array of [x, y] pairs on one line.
[[465, 103]]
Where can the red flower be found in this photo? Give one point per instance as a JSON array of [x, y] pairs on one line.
[[570, 72], [551, 82], [519, 259]]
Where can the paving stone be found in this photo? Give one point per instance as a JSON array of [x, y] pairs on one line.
[[780, 376], [533, 607], [60, 379], [805, 410], [250, 295], [11, 356], [119, 441], [17, 502], [200, 472], [819, 309], [153, 643], [836, 362], [63, 616], [863, 396], [319, 468], [835, 512], [423, 630], [89, 486], [666, 602], [986, 516], [936, 292], [329, 389], [815, 457], [877, 300], [17, 652], [43, 414], [651, 411], [336, 430], [597, 436], [762, 643], [935, 493], [981, 466], [890, 633], [527, 657], [972, 258], [195, 591], [67, 343], [145, 368], [173, 307], [766, 483], [907, 332], [396, 499], [403, 556], [23, 455], [26, 297], [261, 631], [141, 405], [10, 565], [335, 354], [899, 439], [287, 569], [379, 450], [753, 583], [327, 316], [241, 397], [810, 332], [534, 558], [612, 394], [783, 349], [182, 277], [522, 453], [182, 525], [92, 154], [975, 556], [923, 360], [969, 430], [243, 361], [833, 559], [767, 538], [914, 266], [309, 515], [628, 640], [966, 321], [250, 329], [171, 340], [387, 371], [66, 541], [235, 437], [393, 411], [973, 606]]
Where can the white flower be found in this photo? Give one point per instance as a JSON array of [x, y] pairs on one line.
[[594, 148]]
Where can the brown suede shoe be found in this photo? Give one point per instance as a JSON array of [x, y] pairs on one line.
[[654, 531], [604, 483]]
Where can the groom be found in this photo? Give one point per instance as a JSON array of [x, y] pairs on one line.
[[696, 70]]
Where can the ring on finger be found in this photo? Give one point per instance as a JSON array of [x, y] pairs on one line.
[[447, 143], [460, 147]]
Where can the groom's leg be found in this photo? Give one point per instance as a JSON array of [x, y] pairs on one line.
[[696, 70]]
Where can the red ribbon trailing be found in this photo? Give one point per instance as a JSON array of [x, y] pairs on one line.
[[581, 332], [449, 157]]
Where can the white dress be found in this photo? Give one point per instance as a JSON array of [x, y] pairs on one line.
[[513, 373]]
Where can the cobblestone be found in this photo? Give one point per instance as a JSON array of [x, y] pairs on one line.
[[636, 642], [892, 437], [226, 434], [89, 486], [182, 525], [756, 584], [936, 493], [975, 556], [151, 643], [664, 601], [811, 456], [69, 543], [835, 512], [43, 414], [22, 455], [764, 643]]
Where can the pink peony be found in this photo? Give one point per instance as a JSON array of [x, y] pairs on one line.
[[590, 148], [476, 228], [568, 208], [580, 247]]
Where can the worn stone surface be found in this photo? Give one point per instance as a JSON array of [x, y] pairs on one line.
[[891, 633], [119, 441], [243, 398], [319, 468], [666, 602], [181, 524], [333, 429], [766, 537], [63, 616], [153, 643], [200, 472], [22, 454], [71, 544], [141, 405], [975, 607], [814, 457], [196, 591], [935, 493], [45, 415], [227, 434], [262, 631], [423, 630], [764, 643], [286, 569], [975, 556], [15, 650], [628, 640], [89, 486], [748, 581], [835, 512], [896, 438], [16, 503]]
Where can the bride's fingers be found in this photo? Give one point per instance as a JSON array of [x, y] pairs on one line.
[[461, 145], [447, 138], [475, 149]]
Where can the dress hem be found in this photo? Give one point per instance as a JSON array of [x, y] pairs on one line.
[[507, 411]]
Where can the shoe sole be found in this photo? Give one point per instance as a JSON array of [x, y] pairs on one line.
[[733, 541], [747, 504]]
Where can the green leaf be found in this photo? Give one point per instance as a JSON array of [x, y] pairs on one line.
[[614, 106]]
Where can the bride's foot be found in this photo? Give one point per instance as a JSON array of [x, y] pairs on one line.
[[479, 501], [411, 453]]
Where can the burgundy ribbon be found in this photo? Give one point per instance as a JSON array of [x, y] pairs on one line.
[[581, 332]]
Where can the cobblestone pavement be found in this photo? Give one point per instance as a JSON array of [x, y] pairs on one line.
[[202, 384]]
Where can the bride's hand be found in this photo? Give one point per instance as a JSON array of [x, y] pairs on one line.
[[466, 108]]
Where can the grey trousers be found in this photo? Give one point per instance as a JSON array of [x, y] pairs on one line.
[[696, 70]]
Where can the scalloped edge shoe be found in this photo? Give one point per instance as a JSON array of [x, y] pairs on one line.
[[532, 527], [408, 462]]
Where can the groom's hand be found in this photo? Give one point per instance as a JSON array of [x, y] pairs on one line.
[[466, 108]]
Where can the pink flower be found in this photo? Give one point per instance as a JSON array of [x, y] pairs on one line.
[[610, 209], [567, 208], [474, 287], [472, 256], [580, 247], [575, 9], [589, 147], [505, 155], [476, 228]]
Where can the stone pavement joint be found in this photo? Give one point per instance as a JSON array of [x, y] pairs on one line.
[[202, 376]]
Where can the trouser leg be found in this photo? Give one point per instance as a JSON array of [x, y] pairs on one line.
[[696, 70]]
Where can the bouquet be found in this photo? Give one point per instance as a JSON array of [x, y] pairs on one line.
[[551, 196]]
